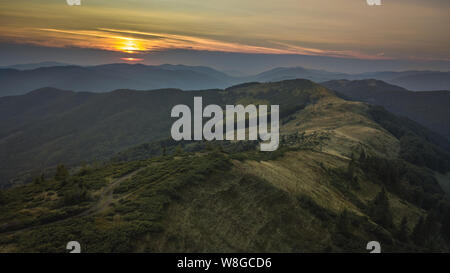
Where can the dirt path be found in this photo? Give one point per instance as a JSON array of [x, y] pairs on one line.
[[106, 196], [105, 199]]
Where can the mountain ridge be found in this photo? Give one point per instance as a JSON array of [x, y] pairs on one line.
[[107, 77], [429, 108]]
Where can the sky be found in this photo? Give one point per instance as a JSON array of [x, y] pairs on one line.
[[328, 34]]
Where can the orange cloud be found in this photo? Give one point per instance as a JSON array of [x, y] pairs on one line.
[[138, 42]]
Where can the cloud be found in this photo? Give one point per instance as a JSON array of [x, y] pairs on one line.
[[346, 29], [139, 42]]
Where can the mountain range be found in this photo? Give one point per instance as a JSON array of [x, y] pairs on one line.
[[30, 66], [102, 170], [411, 80], [102, 78], [105, 78]]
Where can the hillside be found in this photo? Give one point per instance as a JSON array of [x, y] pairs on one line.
[[342, 177], [429, 108], [49, 126]]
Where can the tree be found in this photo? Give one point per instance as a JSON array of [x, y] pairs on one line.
[[418, 234], [446, 225], [75, 196], [343, 224], [404, 230], [362, 156], [61, 173], [2, 197], [351, 167], [351, 173], [37, 180], [179, 150], [427, 231], [209, 147], [432, 229], [40, 179], [380, 210]]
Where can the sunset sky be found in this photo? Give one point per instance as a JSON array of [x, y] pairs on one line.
[[134, 30]]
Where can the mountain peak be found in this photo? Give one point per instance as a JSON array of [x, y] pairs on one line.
[[48, 91], [366, 84]]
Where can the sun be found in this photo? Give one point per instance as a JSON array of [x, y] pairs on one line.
[[130, 45]]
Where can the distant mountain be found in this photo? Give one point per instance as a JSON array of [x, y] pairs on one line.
[[108, 77], [413, 80], [199, 69], [34, 65], [429, 108], [103, 78], [289, 73]]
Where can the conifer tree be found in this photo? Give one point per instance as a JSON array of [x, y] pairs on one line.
[[404, 230], [446, 225], [2, 197], [61, 173], [380, 210], [179, 150], [418, 234], [343, 224]]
